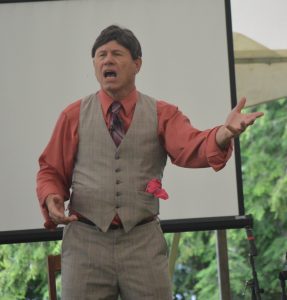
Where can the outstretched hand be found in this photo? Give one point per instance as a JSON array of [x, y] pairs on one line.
[[56, 208], [236, 123]]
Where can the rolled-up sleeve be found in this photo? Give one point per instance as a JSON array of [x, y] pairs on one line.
[[57, 160], [187, 146]]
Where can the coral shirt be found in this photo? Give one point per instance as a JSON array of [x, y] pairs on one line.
[[186, 146]]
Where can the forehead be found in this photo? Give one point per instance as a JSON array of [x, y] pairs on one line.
[[112, 46]]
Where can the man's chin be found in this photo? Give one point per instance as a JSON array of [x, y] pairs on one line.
[[111, 89], [110, 85]]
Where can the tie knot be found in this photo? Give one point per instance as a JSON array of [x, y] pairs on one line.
[[115, 107]]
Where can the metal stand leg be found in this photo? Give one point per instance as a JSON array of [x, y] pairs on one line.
[[253, 283]]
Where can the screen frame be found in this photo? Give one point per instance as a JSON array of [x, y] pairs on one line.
[[168, 226]]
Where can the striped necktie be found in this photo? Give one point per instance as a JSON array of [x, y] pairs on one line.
[[117, 132], [116, 127]]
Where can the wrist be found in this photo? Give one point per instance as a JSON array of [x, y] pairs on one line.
[[223, 137]]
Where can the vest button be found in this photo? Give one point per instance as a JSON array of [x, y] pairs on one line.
[[117, 170], [118, 194], [117, 156], [118, 181]]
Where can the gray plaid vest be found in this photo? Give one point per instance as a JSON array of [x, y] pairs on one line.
[[108, 180]]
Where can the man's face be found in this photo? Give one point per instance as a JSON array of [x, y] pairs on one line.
[[116, 69]]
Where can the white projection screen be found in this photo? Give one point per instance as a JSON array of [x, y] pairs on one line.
[[46, 64]]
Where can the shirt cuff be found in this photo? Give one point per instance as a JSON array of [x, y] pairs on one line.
[[217, 157]]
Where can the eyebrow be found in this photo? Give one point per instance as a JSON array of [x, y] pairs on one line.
[[113, 51]]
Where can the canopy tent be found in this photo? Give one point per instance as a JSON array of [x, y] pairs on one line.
[[260, 72]]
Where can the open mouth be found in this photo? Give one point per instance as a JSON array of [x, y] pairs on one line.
[[109, 74]]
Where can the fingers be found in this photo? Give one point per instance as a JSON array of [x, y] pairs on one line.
[[245, 122], [60, 218], [240, 105], [257, 114], [56, 208], [237, 122], [243, 126], [250, 118], [64, 220]]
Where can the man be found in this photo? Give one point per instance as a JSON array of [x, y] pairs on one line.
[[110, 148]]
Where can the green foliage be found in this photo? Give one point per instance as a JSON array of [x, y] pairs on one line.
[[23, 270], [264, 171], [264, 162], [193, 260]]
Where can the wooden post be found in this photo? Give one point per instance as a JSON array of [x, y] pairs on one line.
[[173, 253], [222, 265]]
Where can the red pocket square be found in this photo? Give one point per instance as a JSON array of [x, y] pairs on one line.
[[154, 187]]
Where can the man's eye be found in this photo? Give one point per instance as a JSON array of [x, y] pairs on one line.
[[101, 54]]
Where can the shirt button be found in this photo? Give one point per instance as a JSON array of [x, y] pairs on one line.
[[117, 156]]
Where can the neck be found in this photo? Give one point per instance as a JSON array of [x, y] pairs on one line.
[[119, 95]]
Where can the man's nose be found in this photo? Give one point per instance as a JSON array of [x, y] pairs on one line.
[[109, 58]]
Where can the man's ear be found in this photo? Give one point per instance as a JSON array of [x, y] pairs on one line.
[[138, 63]]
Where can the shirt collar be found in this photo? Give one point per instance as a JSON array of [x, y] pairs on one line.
[[128, 103]]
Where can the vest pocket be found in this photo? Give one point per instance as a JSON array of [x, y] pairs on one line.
[[148, 202], [146, 195]]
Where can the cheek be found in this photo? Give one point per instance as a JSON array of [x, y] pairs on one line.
[[96, 65], [97, 72], [130, 71]]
